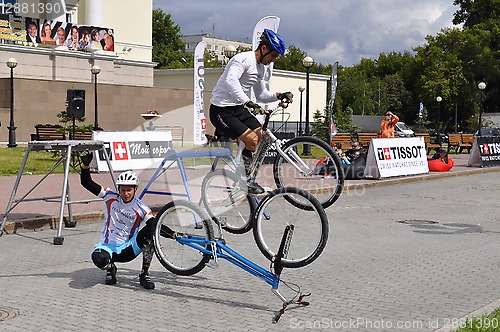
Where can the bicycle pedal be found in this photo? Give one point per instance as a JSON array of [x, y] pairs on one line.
[[221, 220]]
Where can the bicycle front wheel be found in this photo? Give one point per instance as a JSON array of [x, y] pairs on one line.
[[182, 217], [226, 202], [309, 232], [312, 166]]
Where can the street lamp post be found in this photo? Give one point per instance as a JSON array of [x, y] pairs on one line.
[[481, 87], [229, 52], [301, 89], [439, 99], [307, 63], [95, 71], [12, 63]]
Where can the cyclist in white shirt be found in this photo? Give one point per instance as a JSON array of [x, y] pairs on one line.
[[122, 239], [230, 105]]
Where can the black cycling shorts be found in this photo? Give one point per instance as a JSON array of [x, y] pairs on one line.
[[232, 121]]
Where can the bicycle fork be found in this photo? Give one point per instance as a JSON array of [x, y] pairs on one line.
[[290, 156], [278, 268]]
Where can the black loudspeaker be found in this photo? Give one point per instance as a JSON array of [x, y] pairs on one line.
[[76, 103]]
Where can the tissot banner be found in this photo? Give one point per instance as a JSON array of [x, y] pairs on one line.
[[395, 157], [485, 151], [132, 149]]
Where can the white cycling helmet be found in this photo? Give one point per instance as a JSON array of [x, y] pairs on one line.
[[127, 178]]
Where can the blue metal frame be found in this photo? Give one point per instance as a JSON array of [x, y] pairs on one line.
[[223, 251], [175, 156]]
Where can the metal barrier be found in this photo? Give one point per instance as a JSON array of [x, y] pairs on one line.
[[66, 148]]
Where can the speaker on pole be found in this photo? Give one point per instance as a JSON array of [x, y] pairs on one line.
[[76, 103]]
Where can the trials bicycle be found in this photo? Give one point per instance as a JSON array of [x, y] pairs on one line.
[[296, 165], [184, 239]]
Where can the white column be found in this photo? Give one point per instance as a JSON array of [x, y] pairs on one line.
[[58, 12], [93, 13]]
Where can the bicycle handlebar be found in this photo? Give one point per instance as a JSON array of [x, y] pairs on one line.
[[283, 103]]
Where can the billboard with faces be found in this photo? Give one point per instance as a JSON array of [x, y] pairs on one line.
[[36, 32]]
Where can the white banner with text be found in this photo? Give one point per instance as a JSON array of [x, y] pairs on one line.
[[132, 149], [395, 157]]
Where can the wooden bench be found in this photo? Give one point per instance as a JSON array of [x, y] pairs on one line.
[[454, 141], [82, 135], [176, 131], [466, 142], [365, 138], [49, 132], [342, 141], [460, 142], [428, 145]]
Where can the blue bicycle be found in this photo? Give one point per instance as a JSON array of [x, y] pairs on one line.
[[184, 238]]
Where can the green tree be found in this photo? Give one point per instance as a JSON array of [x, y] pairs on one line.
[[292, 60], [167, 44], [473, 12], [482, 20], [450, 65], [321, 123], [211, 60]]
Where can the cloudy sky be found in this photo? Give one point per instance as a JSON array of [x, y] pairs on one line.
[[327, 30]]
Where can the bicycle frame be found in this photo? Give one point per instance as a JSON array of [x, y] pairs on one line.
[[218, 249], [269, 138]]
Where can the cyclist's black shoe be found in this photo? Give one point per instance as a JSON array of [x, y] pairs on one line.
[[111, 275], [146, 282], [254, 188]]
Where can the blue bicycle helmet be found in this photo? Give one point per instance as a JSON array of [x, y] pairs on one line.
[[273, 40]]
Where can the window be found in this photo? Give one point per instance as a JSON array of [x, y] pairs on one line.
[[71, 13], [209, 47]]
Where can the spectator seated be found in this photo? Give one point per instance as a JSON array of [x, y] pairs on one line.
[[356, 169], [440, 162], [437, 165]]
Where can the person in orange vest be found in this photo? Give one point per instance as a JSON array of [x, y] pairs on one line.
[[388, 124]]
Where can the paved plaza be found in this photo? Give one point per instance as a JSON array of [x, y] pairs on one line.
[[409, 256]]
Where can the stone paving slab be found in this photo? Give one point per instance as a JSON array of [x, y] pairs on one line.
[[407, 257]]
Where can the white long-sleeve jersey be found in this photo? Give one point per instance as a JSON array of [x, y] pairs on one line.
[[241, 74]]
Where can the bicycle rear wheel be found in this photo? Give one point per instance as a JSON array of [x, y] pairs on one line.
[[315, 168], [226, 202], [186, 218], [310, 226]]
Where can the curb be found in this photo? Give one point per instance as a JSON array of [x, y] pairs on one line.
[[52, 222], [415, 178]]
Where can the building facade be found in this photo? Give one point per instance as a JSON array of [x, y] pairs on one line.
[[281, 81], [216, 45], [127, 84], [46, 69]]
